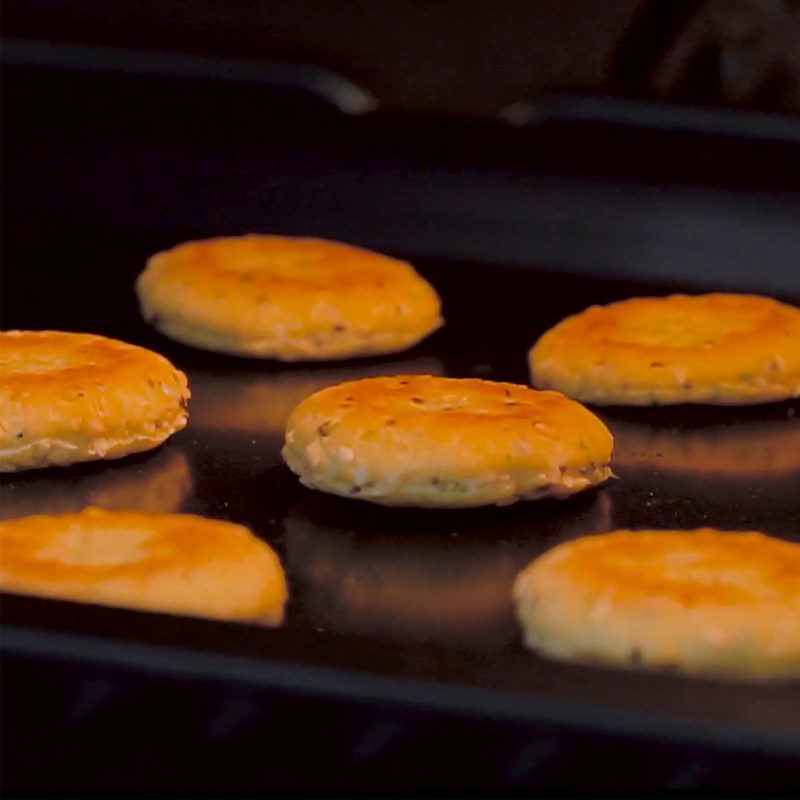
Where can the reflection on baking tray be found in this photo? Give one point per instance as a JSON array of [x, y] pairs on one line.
[[424, 576], [736, 444], [153, 483], [259, 402], [743, 462]]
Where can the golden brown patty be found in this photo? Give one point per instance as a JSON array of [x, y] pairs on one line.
[[69, 397], [701, 601], [445, 442], [173, 563], [724, 349], [286, 298]]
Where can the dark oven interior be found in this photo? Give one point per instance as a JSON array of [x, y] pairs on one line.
[[530, 162]]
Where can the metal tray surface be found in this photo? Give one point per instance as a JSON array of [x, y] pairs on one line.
[[405, 605]]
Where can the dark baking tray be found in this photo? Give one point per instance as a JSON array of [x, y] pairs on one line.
[[406, 606]]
